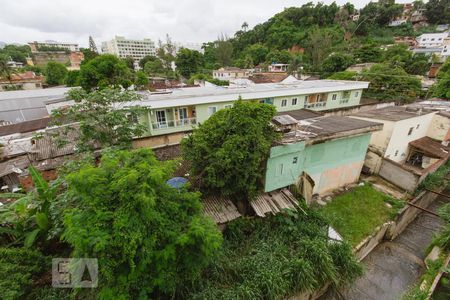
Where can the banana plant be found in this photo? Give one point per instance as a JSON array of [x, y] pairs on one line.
[[27, 219]]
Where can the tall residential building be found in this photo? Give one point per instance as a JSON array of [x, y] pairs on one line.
[[69, 46], [92, 45], [123, 48]]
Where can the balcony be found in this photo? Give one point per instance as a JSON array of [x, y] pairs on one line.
[[315, 104], [343, 101], [174, 124]]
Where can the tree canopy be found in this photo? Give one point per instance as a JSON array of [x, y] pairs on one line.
[[104, 71], [189, 62], [55, 73], [103, 117], [148, 237], [389, 82], [229, 149]]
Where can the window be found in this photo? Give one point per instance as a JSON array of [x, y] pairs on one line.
[[283, 103], [396, 153], [279, 170], [417, 127], [132, 118], [294, 160], [228, 106], [410, 131], [294, 101], [334, 97], [161, 118], [212, 110], [346, 94], [356, 94]]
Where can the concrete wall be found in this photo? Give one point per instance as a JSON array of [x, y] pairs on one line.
[[395, 174], [347, 111], [331, 164], [158, 141], [369, 243], [409, 213], [373, 161], [439, 128]]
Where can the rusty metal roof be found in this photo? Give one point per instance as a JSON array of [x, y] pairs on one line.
[[431, 147]]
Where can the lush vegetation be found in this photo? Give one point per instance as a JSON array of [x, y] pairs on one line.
[[442, 88], [276, 257], [435, 180], [148, 237], [104, 119], [356, 213], [229, 149], [55, 73]]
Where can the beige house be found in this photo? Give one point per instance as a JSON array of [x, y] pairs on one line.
[[230, 73]]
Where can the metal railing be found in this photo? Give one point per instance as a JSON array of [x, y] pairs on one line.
[[316, 104], [174, 123]]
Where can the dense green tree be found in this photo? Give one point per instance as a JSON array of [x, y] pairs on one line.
[[319, 45], [442, 88], [344, 75], [73, 78], [257, 53], [229, 149], [18, 269], [17, 53], [55, 73], [438, 11], [5, 69], [276, 56], [88, 55], [336, 62], [166, 53], [207, 77], [129, 61], [224, 51], [368, 53], [154, 67], [106, 118], [209, 54], [149, 238], [189, 62], [389, 82], [104, 71], [146, 59], [141, 80]]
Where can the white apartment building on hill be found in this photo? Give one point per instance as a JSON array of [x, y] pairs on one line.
[[123, 48]]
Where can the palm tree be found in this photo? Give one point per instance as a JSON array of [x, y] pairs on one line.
[[244, 26]]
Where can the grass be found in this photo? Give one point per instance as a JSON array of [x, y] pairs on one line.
[[357, 213], [275, 257]]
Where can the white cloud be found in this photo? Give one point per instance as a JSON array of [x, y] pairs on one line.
[[184, 20]]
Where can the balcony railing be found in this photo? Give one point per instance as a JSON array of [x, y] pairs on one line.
[[345, 100], [175, 123], [316, 104]]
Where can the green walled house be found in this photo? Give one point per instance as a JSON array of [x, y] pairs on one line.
[[317, 154]]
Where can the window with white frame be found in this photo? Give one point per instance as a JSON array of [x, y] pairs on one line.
[[283, 103], [212, 110], [294, 101], [356, 94], [334, 97], [410, 130]]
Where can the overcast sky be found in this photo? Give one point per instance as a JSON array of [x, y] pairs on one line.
[[197, 21]]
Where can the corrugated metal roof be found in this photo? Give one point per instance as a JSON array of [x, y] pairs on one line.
[[221, 209], [273, 202], [20, 106]]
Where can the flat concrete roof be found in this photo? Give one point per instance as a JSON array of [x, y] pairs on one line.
[[394, 113]]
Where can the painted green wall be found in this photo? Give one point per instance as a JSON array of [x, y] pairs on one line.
[[313, 159], [202, 109]]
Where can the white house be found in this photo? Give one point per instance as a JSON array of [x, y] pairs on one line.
[[401, 125], [432, 40]]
